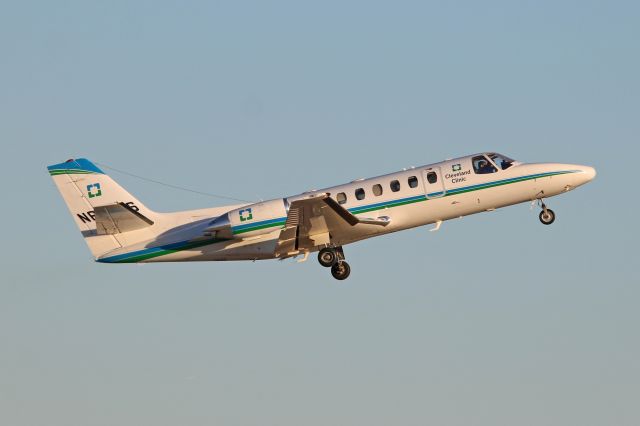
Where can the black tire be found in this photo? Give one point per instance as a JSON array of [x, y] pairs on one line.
[[341, 271], [548, 217], [327, 257]]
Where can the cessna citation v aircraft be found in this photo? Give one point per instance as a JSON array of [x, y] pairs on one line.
[[120, 229]]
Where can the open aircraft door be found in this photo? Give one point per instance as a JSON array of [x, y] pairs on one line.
[[434, 183]]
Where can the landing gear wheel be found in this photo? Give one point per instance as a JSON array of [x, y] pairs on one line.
[[547, 216], [327, 257], [341, 270]]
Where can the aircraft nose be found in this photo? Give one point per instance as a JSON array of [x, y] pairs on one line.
[[589, 173]]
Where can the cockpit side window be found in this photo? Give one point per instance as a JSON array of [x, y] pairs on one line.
[[482, 166], [501, 161]]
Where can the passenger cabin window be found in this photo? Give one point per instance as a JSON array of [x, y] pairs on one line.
[[377, 190], [482, 166], [432, 177], [360, 194], [501, 161], [413, 182], [395, 185], [342, 198]]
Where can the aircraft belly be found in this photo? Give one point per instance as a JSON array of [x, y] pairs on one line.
[[223, 251], [247, 250]]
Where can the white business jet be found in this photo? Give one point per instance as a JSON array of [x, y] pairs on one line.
[[118, 228]]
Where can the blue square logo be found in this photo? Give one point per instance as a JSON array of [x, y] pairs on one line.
[[246, 215], [94, 190]]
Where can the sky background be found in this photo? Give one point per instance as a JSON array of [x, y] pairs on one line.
[[495, 320]]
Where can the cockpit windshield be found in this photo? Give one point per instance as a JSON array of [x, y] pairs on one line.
[[501, 161], [486, 164], [482, 166]]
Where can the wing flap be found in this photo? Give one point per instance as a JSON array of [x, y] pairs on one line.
[[317, 221]]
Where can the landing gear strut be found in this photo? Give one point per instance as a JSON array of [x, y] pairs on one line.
[[547, 216], [333, 257]]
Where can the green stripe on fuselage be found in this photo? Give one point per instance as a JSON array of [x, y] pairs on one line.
[[365, 209], [259, 227], [163, 252], [502, 183], [356, 210]]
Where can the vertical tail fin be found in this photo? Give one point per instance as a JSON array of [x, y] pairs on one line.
[[87, 190]]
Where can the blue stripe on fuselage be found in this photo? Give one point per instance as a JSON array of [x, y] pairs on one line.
[[354, 210], [261, 223]]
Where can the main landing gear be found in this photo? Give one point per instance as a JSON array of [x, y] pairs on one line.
[[547, 216], [333, 258]]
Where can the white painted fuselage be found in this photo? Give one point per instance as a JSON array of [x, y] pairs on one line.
[[407, 199]]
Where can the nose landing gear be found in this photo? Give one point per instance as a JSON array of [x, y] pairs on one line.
[[333, 258], [547, 216]]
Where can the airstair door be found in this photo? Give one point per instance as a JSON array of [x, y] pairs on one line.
[[434, 183]]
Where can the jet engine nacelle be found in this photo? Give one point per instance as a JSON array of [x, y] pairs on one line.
[[249, 221]]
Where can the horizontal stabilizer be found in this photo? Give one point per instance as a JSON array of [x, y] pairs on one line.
[[119, 218]]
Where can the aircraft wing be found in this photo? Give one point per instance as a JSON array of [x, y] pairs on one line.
[[317, 221], [119, 218]]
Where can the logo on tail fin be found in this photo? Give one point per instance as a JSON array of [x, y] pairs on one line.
[[94, 190]]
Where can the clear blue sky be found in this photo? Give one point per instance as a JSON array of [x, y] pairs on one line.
[[261, 99]]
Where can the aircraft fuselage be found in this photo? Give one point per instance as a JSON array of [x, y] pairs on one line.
[[406, 199]]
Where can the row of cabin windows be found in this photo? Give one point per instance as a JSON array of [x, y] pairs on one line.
[[394, 185]]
